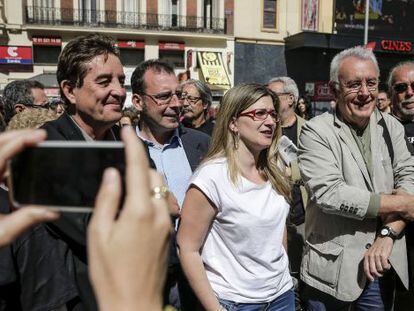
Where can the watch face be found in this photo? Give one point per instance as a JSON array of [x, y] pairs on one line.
[[385, 232]]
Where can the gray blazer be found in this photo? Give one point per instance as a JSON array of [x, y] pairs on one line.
[[339, 225]]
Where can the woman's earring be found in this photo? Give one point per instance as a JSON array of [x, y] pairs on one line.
[[236, 138]]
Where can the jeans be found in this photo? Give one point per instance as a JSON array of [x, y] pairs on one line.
[[285, 302], [376, 296]]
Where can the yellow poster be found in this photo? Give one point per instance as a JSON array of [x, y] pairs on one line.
[[212, 68]]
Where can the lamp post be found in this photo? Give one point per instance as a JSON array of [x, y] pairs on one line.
[[366, 22]]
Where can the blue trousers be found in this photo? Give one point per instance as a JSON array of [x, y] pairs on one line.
[[376, 296], [285, 302]]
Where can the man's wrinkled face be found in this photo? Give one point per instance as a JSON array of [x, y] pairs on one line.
[[383, 101], [357, 90], [102, 93], [161, 104], [402, 90], [286, 100]]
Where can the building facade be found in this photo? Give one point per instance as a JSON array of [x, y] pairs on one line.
[[196, 36], [299, 38]]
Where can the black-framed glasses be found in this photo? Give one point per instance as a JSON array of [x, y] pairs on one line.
[[165, 97], [191, 99], [45, 105], [402, 87], [261, 114]]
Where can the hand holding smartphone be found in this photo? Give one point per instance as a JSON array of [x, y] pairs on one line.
[[63, 175]]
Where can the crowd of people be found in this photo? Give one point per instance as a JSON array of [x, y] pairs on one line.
[[267, 207]]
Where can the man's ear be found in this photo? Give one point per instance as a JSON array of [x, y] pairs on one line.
[[67, 89], [333, 86], [19, 108], [138, 102]]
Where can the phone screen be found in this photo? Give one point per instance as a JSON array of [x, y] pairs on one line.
[[63, 174]]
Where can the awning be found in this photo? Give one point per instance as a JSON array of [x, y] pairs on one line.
[[213, 71], [47, 79]]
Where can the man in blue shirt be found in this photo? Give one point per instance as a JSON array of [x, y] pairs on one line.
[[175, 150]]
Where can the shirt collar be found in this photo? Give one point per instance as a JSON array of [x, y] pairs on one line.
[[175, 138]]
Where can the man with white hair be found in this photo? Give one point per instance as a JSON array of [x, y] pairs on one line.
[[401, 84], [360, 176], [401, 87], [287, 91]]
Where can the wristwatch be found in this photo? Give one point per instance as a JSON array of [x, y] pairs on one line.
[[388, 231]]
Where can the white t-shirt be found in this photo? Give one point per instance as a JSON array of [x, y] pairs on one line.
[[243, 254]]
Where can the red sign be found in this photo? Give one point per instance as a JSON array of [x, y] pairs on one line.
[[131, 44], [322, 92], [21, 55], [177, 46], [395, 45], [50, 41]]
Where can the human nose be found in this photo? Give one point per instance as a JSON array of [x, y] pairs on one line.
[[363, 90], [410, 92], [175, 101]]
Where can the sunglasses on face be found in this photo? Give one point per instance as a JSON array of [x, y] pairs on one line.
[[261, 114], [402, 87], [165, 97]]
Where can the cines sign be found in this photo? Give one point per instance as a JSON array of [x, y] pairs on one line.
[[396, 46]]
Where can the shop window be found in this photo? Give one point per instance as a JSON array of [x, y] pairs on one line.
[[174, 58], [132, 57], [46, 54], [269, 14]]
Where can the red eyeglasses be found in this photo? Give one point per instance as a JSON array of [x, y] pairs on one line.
[[261, 114]]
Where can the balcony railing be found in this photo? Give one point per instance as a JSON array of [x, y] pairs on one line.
[[117, 19]]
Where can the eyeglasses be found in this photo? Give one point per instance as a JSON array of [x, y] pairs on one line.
[[191, 99], [41, 106], [402, 87], [164, 98], [261, 114], [356, 85], [281, 94]]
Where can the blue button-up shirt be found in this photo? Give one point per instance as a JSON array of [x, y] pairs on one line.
[[171, 161]]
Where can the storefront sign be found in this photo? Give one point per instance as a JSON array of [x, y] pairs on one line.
[[397, 46], [212, 68], [20, 55], [319, 91], [48, 41], [131, 44], [177, 46]]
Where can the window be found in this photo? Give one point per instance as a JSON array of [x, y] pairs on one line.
[[132, 57], [269, 14], [46, 54], [174, 58]]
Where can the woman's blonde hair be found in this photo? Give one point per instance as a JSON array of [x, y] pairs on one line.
[[224, 141]]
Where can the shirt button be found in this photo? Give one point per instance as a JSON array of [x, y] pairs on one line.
[[368, 245]]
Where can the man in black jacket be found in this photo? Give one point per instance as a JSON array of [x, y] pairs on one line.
[[175, 150], [91, 80]]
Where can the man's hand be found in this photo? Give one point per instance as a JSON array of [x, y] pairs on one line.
[[376, 258], [11, 226], [128, 251]]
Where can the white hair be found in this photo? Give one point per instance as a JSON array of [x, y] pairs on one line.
[[390, 82], [289, 86], [357, 52]]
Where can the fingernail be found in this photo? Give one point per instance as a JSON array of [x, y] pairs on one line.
[[39, 133], [109, 175]]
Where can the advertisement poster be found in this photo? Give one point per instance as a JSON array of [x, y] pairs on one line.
[[310, 15], [385, 16]]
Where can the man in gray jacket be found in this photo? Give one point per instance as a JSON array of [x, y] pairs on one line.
[[359, 174]]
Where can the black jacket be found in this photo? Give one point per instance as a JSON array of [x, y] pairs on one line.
[[71, 227]]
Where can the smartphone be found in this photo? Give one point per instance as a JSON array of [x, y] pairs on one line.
[[63, 175]]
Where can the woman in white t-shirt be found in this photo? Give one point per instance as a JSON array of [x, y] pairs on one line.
[[232, 236]]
